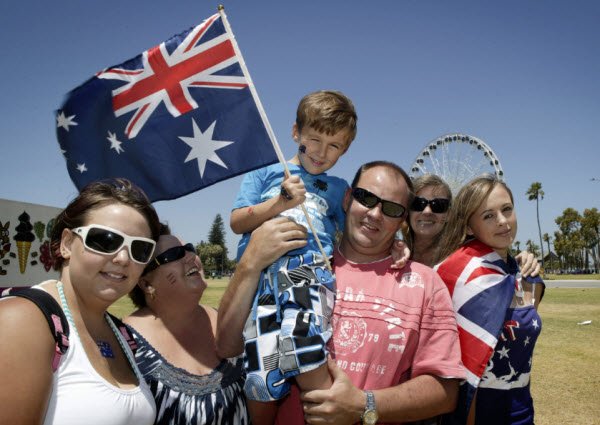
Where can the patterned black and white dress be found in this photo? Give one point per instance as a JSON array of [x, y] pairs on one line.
[[184, 398]]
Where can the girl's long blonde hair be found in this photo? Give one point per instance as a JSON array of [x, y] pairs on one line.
[[468, 200]]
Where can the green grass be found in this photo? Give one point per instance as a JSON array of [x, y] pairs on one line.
[[566, 374], [572, 276], [565, 379], [123, 307], [212, 295]]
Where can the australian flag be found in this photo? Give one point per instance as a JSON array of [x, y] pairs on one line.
[[482, 286], [179, 117]]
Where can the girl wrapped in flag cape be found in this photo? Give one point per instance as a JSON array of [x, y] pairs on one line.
[[496, 310]]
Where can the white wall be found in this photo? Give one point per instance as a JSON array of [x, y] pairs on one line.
[[31, 264]]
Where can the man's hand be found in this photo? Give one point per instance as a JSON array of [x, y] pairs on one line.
[[342, 404], [273, 239], [400, 254], [268, 242], [529, 264]]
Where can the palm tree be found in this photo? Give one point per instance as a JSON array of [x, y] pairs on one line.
[[532, 247], [590, 229], [547, 239], [569, 237], [535, 192], [517, 246]]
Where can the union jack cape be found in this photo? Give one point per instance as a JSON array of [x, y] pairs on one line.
[[176, 118], [482, 286]]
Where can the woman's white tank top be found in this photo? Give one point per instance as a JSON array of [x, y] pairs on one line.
[[81, 396]]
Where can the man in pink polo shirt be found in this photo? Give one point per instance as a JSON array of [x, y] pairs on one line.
[[395, 342]]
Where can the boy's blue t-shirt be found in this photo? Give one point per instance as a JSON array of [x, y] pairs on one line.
[[323, 203]]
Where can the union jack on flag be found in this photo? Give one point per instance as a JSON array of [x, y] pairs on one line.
[[179, 117], [481, 285]]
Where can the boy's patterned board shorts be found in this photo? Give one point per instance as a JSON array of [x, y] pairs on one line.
[[287, 335]]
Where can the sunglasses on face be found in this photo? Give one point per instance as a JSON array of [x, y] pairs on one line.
[[170, 255], [438, 205], [370, 200], [108, 241]]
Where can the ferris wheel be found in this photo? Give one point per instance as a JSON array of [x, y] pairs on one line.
[[457, 158]]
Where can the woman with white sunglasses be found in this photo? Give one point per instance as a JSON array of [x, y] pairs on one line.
[[100, 244]]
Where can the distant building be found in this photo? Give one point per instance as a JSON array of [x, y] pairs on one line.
[[551, 258]]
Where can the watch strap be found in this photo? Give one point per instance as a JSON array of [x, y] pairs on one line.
[[370, 400], [370, 416]]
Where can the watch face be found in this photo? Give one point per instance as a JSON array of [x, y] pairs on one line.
[[370, 417]]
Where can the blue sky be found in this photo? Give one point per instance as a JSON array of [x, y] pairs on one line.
[[521, 76]]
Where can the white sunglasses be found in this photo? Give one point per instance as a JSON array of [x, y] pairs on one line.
[[106, 240]]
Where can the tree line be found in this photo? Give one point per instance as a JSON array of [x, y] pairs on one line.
[[213, 253], [576, 243]]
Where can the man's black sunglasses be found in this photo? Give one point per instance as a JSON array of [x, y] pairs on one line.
[[170, 255], [438, 205], [370, 200]]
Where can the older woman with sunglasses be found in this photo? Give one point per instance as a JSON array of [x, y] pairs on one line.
[[427, 218], [427, 222], [175, 340], [100, 244]]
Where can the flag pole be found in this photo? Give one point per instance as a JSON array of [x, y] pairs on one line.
[[263, 115]]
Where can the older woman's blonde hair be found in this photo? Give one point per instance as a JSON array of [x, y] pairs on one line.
[[468, 200], [421, 182]]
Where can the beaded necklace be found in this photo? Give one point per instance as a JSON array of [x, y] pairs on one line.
[[65, 307]]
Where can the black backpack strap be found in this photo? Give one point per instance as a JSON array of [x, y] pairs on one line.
[[59, 326], [126, 332]]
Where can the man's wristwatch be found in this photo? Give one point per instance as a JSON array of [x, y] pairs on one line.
[[370, 416]]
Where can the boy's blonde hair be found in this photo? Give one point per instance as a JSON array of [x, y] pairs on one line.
[[468, 200], [328, 112]]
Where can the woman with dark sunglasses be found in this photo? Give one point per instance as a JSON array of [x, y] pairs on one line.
[[426, 224], [100, 244], [427, 218], [175, 336]]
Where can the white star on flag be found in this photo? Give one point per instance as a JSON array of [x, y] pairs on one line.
[[504, 352], [203, 147], [535, 323], [64, 122], [526, 340], [114, 143], [81, 168]]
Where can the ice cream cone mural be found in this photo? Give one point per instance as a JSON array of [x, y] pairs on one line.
[[25, 257], [24, 237], [23, 250]]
